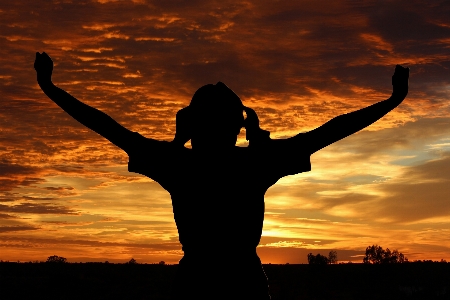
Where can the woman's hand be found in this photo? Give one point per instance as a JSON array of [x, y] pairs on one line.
[[252, 130], [43, 65], [400, 82], [252, 119], [183, 127]]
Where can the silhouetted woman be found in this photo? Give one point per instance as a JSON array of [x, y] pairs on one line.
[[218, 189]]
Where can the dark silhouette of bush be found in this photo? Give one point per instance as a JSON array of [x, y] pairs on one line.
[[322, 259], [442, 261], [377, 255], [332, 257], [132, 261], [317, 259], [56, 259]]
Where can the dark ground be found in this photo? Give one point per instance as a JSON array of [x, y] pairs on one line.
[[140, 281]]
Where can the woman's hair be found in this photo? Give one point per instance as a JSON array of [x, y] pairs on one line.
[[216, 104]]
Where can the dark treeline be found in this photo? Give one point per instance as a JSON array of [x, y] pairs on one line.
[[414, 280], [374, 255]]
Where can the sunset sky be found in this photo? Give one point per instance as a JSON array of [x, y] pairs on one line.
[[65, 190]]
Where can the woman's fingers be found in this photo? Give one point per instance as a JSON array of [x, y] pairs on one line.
[[252, 118]]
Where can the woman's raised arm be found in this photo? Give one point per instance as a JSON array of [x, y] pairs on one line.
[[90, 117], [347, 124]]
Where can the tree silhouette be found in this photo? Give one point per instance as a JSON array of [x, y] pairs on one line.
[[322, 259], [56, 259], [332, 257], [317, 259], [377, 255], [132, 261]]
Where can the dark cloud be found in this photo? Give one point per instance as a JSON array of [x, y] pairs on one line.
[[60, 188], [4, 229], [9, 169], [409, 21], [271, 240], [65, 223], [35, 208], [10, 184], [168, 246], [15, 174], [38, 198], [6, 216]]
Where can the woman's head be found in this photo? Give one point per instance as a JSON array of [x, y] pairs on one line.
[[215, 116]]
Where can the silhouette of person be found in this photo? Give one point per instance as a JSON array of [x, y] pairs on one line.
[[217, 188]]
